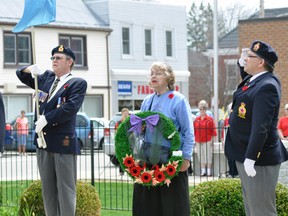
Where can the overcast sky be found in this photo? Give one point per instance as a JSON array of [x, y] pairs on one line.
[[253, 4]]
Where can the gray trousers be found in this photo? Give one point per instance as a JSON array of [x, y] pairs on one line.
[[58, 175], [259, 191]]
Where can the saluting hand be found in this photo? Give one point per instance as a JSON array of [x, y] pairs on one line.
[[244, 55], [33, 69]]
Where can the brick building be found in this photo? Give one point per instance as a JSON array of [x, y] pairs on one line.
[[275, 32], [273, 29]]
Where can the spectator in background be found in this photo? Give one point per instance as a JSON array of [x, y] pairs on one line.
[[208, 112], [232, 172], [283, 125], [205, 129], [124, 115], [21, 126]]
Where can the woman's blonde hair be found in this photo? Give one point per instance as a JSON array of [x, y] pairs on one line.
[[203, 104], [167, 69]]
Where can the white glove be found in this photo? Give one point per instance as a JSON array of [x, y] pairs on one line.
[[35, 70], [40, 124], [244, 55], [249, 167]]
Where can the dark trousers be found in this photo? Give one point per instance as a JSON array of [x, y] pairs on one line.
[[232, 168], [163, 200]]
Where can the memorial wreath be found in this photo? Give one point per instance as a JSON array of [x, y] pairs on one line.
[[130, 134]]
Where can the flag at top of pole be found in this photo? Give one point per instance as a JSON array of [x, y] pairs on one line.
[[36, 12]]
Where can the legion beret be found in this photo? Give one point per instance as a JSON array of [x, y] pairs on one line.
[[64, 50], [265, 51]]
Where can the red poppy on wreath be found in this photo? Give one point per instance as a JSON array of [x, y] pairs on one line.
[[65, 86], [244, 88], [171, 96], [170, 170], [128, 161], [135, 171], [146, 177], [159, 176]]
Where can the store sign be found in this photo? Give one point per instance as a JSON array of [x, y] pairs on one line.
[[124, 87], [146, 89]]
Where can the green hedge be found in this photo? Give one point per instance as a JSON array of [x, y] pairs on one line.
[[87, 203], [224, 197]]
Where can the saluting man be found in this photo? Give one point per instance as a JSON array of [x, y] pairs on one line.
[[252, 139], [60, 99]]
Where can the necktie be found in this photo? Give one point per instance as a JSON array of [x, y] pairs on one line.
[[54, 87], [247, 82]]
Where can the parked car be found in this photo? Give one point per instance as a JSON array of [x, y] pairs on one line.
[[109, 137], [82, 130], [99, 125]]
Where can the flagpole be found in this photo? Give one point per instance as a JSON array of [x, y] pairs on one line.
[[36, 77], [40, 140]]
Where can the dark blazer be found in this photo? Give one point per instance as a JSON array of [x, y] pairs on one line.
[[2, 124], [59, 133], [252, 131]]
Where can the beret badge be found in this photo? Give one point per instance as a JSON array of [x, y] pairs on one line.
[[256, 47], [61, 48]]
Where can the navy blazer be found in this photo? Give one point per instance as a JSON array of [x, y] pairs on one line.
[[2, 124], [252, 131], [59, 133]]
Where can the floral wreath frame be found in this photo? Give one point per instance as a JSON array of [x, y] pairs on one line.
[[156, 175]]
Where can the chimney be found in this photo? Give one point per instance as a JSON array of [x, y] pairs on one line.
[[262, 10]]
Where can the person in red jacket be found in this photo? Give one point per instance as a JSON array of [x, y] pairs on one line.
[[204, 129], [283, 125]]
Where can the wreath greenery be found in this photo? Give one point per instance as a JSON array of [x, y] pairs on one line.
[[139, 172]]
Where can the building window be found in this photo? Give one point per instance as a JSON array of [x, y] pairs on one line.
[[169, 44], [17, 49], [78, 45], [93, 105], [231, 74], [14, 103], [148, 42], [126, 41]]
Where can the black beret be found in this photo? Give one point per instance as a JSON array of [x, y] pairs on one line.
[[64, 50], [265, 51]]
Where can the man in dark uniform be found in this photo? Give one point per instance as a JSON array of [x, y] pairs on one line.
[[252, 139], [60, 99], [2, 126]]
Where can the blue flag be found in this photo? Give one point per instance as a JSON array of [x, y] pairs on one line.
[[36, 12]]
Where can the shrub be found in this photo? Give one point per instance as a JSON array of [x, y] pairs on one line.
[[87, 203], [224, 197]]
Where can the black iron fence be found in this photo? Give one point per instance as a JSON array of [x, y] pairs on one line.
[[115, 190]]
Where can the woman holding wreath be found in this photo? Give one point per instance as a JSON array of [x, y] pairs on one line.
[[172, 199]]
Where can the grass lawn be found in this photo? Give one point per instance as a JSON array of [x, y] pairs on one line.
[[113, 195]]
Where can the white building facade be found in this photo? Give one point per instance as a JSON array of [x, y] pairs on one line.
[[76, 27], [143, 32]]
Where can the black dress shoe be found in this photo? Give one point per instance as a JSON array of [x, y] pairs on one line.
[[203, 174]]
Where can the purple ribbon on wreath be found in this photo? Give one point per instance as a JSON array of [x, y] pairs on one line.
[[136, 122]]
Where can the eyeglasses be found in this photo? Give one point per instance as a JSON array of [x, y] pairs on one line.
[[252, 56], [157, 74], [202, 108], [57, 58]]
